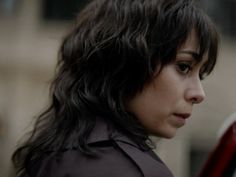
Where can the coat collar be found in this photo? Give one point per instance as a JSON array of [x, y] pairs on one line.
[[149, 166], [104, 132], [100, 132]]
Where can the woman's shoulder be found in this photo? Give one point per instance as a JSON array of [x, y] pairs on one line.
[[115, 155], [108, 161]]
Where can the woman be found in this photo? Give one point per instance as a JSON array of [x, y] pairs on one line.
[[129, 69]]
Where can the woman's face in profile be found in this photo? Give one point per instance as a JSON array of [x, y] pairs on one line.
[[167, 101]]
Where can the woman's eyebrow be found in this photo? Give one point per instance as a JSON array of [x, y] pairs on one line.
[[196, 56]]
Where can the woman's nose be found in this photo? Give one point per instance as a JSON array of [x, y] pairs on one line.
[[195, 93]]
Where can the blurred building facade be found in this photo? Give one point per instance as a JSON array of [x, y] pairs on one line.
[[30, 35]]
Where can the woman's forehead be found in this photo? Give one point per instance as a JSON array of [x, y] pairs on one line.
[[191, 43], [191, 46]]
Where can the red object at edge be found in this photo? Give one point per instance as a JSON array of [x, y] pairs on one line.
[[220, 158]]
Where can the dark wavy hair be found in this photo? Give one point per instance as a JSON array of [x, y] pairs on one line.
[[112, 52]]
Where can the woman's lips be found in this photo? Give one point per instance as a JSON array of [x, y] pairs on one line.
[[181, 118], [182, 115]]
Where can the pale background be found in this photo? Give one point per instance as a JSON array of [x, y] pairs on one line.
[[28, 54]]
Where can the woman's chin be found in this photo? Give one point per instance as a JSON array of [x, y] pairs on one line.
[[167, 135]]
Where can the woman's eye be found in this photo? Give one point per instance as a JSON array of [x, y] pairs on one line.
[[184, 68]]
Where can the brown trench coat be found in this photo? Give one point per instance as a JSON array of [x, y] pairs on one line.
[[117, 157]]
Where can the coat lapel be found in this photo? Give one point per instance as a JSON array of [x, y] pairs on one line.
[[149, 166]]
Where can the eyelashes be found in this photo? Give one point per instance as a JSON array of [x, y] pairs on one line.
[[184, 68]]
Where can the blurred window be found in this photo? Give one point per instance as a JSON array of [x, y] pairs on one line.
[[61, 9], [223, 13], [7, 6]]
